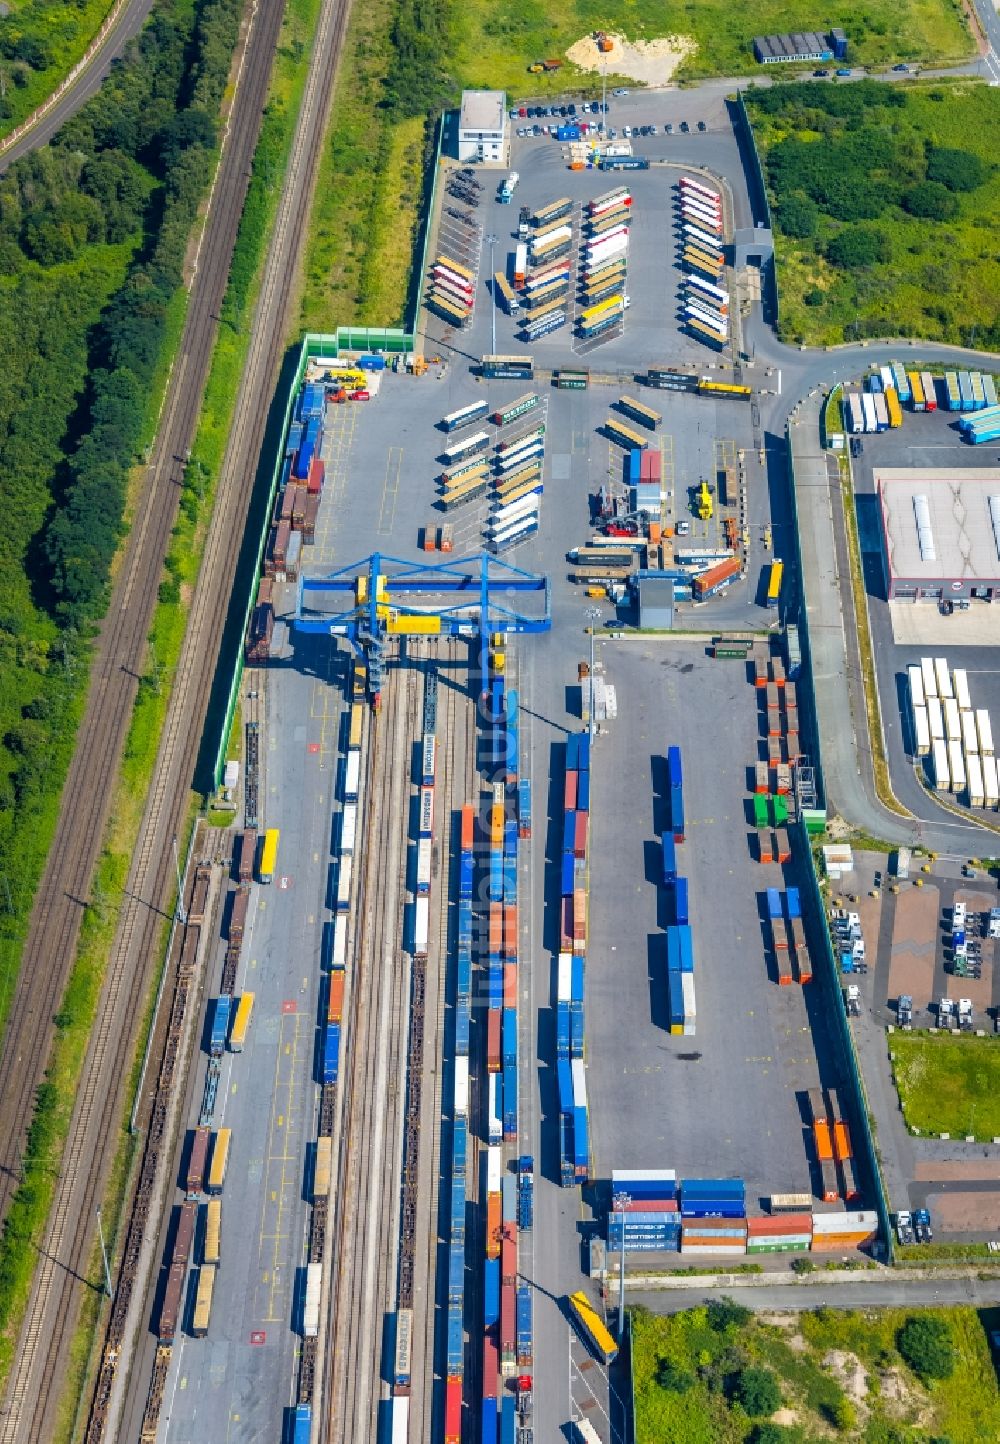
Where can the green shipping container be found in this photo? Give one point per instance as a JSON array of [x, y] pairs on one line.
[[777, 1247], [760, 810], [814, 819], [780, 804]]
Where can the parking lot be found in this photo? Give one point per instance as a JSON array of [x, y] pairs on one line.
[[902, 632]]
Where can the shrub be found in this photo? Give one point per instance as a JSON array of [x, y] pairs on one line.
[[725, 1313], [770, 1433], [931, 201], [798, 216], [926, 1345], [956, 169], [673, 1378], [857, 246], [757, 1390]]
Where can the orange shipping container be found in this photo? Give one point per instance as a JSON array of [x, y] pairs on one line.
[[784, 968], [838, 1242], [493, 1040], [493, 1225], [784, 1223], [468, 828], [841, 1141], [510, 985], [496, 927], [766, 846], [823, 1141], [510, 930], [335, 1007], [496, 825]]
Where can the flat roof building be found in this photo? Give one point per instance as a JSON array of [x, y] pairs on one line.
[[656, 602], [940, 533], [802, 45], [482, 126]]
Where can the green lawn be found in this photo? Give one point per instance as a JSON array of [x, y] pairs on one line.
[[948, 1084], [498, 43], [839, 1373], [852, 169]]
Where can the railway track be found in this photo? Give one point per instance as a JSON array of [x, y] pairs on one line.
[[32, 1393], [368, 1164]]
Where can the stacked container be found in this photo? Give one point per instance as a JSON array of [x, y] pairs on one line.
[[571, 969], [648, 1218], [781, 1233], [833, 1232], [713, 1216]]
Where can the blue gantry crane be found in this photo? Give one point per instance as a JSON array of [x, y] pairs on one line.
[[379, 596]]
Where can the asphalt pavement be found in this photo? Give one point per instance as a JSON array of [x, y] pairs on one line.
[[865, 1289]]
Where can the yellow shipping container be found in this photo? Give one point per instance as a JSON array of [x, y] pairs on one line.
[[400, 625]]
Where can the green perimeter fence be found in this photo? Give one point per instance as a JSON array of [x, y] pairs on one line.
[[380, 340], [827, 969]]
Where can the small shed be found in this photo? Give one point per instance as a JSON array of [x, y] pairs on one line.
[[656, 603]]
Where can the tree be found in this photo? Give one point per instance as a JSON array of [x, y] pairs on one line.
[[770, 1433], [725, 1313], [931, 201], [857, 246], [672, 1377], [957, 169], [926, 1344], [798, 215], [115, 182], [757, 1390]]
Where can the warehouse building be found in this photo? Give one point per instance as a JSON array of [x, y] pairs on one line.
[[940, 534], [482, 126], [803, 45]]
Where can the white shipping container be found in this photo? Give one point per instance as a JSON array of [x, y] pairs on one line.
[[956, 765], [961, 682], [942, 773], [974, 774], [952, 720], [462, 1087], [991, 783], [340, 943], [929, 676], [579, 1084], [935, 719], [860, 1221], [344, 872], [970, 737], [943, 676], [494, 1169], [526, 506], [729, 1249], [421, 920], [868, 403], [348, 827], [400, 1419], [565, 985], [687, 992], [922, 731], [352, 776], [424, 847], [985, 732], [310, 1310], [561, 233], [622, 1177], [494, 1128], [916, 680], [426, 811]]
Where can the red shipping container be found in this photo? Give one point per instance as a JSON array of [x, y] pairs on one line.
[[580, 835], [510, 985], [496, 927], [493, 1040], [566, 928], [508, 1325], [491, 1366], [650, 466], [287, 501], [238, 914], [508, 1253], [282, 532], [510, 930], [766, 846], [569, 789], [760, 671], [779, 1224], [579, 914], [265, 592], [309, 518], [468, 828], [269, 562], [705, 585], [651, 1205], [784, 968], [453, 1412], [316, 477], [298, 506]]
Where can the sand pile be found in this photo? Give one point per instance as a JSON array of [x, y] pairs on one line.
[[652, 62]]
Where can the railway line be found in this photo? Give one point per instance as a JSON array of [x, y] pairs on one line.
[[32, 1394]]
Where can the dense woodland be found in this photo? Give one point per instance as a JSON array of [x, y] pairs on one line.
[[93, 232]]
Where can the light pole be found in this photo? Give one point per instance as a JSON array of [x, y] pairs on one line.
[[104, 1256], [180, 912], [621, 1202], [594, 614], [491, 238]]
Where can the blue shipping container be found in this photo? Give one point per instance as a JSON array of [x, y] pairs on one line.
[[220, 1025], [303, 1424], [510, 1036], [583, 792], [681, 901], [524, 806], [488, 1433], [292, 442], [576, 980], [573, 752], [510, 1104], [566, 885], [669, 858], [677, 813], [583, 752], [569, 830], [456, 1270], [463, 978], [459, 1147], [581, 1144], [794, 903], [564, 1074], [562, 1030], [462, 1029], [526, 1202], [458, 1208], [456, 1342], [687, 949], [491, 1292], [773, 903], [634, 466], [466, 872], [369, 362], [715, 1187], [331, 1053], [674, 772], [508, 1420], [675, 996], [576, 1030]]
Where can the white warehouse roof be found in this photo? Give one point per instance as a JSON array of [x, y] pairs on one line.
[[940, 523], [483, 110]]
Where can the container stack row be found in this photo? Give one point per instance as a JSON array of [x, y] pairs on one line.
[[832, 1142], [603, 296], [452, 290], [787, 935], [518, 458], [700, 237], [459, 1174], [956, 739], [645, 1211], [574, 1129], [779, 712], [680, 941]]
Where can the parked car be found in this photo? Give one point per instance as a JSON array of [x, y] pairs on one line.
[[905, 69], [684, 127], [619, 91], [683, 528], [844, 71], [702, 125], [669, 127], [821, 72], [627, 131]]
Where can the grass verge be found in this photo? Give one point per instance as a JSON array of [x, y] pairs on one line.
[[880, 766], [838, 1373], [948, 1084], [62, 33]]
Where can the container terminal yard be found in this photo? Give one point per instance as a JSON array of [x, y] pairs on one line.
[[512, 891]]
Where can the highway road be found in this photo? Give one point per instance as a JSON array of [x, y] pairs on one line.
[[866, 1291], [53, 113]]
